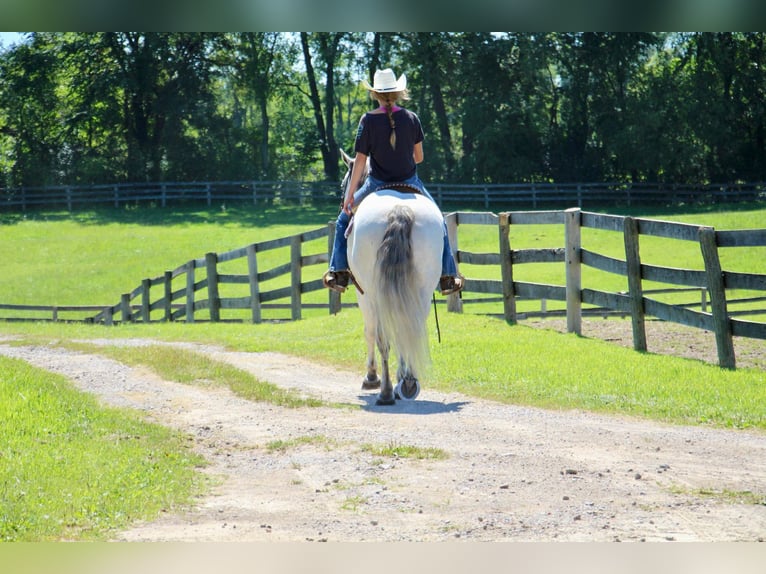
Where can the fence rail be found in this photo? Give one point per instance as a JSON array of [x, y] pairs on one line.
[[713, 280], [235, 285], [490, 196]]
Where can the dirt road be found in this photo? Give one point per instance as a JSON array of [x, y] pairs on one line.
[[511, 473]]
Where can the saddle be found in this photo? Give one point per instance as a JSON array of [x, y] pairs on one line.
[[401, 187], [394, 186]]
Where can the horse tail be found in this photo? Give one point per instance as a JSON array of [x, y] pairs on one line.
[[401, 322]]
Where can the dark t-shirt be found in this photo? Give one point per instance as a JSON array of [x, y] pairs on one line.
[[372, 139]]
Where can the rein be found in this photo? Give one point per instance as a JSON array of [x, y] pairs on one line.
[[436, 317]]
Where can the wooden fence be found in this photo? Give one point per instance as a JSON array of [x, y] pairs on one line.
[[489, 197], [207, 289], [635, 302]]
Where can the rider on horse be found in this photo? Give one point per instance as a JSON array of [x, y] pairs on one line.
[[392, 138]]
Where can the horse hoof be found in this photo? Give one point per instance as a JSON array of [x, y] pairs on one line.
[[370, 385], [381, 402], [407, 392]]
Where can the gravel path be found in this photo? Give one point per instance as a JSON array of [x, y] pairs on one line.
[[512, 473]]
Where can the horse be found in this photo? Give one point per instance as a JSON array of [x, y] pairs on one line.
[[394, 250]]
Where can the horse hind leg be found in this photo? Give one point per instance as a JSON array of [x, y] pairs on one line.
[[386, 396], [408, 386], [371, 381]]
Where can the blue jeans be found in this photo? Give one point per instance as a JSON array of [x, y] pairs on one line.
[[339, 258]]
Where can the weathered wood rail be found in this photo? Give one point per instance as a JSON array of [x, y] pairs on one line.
[[236, 286], [207, 276], [635, 303]]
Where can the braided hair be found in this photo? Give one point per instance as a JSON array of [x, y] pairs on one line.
[[387, 100]]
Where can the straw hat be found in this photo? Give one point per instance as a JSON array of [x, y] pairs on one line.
[[385, 81]]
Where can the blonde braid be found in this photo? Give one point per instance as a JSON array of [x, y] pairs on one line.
[[390, 113], [388, 100]]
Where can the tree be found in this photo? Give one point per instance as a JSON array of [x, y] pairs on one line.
[[28, 82], [429, 56], [259, 61], [327, 46], [496, 107]]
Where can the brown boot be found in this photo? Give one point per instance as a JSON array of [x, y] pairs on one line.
[[449, 284], [336, 280]]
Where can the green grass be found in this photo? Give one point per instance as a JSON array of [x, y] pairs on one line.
[[724, 495], [92, 257], [485, 357], [397, 450], [188, 367], [282, 445], [72, 469]]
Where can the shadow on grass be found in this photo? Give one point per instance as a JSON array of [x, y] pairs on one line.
[[242, 213]]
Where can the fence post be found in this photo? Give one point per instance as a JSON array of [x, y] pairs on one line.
[[572, 232], [168, 295], [209, 194], [255, 290], [125, 308], [717, 288], [506, 268], [190, 292], [635, 289], [334, 301], [454, 302], [146, 285], [295, 277], [214, 301]]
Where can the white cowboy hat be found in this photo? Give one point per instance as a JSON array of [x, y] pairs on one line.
[[385, 81]]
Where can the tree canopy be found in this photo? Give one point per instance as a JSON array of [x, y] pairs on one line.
[[496, 107]]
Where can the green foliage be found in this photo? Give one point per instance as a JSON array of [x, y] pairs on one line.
[[71, 469], [507, 107]]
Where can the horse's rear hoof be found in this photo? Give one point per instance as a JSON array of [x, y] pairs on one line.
[[381, 402], [407, 390]]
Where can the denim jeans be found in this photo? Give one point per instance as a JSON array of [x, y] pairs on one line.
[[339, 258]]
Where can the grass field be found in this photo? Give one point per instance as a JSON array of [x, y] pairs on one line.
[[72, 469], [92, 257]]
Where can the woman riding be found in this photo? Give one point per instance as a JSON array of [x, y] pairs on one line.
[[392, 138]]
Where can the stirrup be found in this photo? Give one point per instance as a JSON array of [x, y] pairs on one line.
[[449, 284], [336, 280]]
